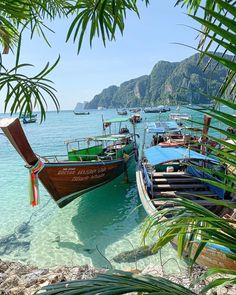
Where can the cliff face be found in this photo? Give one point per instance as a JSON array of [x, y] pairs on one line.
[[168, 83]]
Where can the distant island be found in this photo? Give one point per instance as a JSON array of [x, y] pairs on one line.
[[169, 83]]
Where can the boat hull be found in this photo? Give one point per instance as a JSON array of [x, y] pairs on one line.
[[212, 255], [67, 181]]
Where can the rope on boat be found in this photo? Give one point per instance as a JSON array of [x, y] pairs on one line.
[[33, 182]]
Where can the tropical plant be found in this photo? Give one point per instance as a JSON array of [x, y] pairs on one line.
[[118, 282], [190, 220], [23, 93]]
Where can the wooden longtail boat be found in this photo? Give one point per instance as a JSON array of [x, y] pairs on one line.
[[169, 134], [165, 172], [94, 162]]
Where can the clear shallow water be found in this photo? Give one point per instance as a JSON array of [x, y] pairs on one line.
[[91, 230]]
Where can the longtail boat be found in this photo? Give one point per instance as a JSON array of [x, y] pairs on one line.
[[167, 173], [170, 134], [93, 162]]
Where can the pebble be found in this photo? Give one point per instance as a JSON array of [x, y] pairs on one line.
[[20, 279]]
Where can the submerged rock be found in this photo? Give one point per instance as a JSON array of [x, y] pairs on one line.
[[134, 255]]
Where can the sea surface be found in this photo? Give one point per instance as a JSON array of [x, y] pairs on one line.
[[91, 230]]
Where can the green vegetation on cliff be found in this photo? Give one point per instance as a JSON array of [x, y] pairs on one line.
[[169, 83]]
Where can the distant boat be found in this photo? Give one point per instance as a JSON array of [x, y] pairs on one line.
[[122, 112], [28, 116], [159, 109], [179, 118], [29, 120], [135, 110], [90, 162], [79, 109], [81, 113], [101, 108], [136, 118]]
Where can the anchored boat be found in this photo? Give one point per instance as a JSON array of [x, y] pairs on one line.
[[122, 112], [136, 118], [169, 134], [159, 109], [173, 172], [90, 162]]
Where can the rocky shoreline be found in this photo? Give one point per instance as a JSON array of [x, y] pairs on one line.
[[20, 279]]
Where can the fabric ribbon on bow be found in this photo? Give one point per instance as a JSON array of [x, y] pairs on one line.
[[33, 182]]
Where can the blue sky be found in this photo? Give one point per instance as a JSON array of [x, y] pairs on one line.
[[145, 41]]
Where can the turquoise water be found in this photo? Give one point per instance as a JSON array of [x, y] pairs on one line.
[[90, 230]]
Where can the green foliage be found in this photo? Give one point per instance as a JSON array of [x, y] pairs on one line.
[[119, 282], [24, 93], [189, 221], [170, 83]]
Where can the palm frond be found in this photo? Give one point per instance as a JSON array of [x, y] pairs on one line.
[[118, 282]]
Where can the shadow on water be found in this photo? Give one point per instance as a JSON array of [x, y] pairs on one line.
[[104, 217], [16, 242]]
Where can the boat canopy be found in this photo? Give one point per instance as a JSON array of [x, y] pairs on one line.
[[158, 155], [117, 120], [162, 127]]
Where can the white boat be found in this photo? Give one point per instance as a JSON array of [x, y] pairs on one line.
[[79, 109], [178, 116]]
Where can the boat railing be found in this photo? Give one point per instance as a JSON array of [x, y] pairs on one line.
[[54, 158], [82, 158], [89, 158]]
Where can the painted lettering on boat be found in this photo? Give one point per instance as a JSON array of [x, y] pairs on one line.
[[84, 178], [85, 172], [66, 171], [91, 171]]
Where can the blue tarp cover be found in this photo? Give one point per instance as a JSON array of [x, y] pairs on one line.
[[162, 127], [157, 155]]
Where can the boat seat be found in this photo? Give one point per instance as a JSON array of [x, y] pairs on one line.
[[185, 194], [170, 174], [178, 180], [173, 186], [202, 202]]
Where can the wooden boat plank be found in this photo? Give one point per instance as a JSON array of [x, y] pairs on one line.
[[185, 193], [169, 174], [200, 202], [177, 180], [180, 186]]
